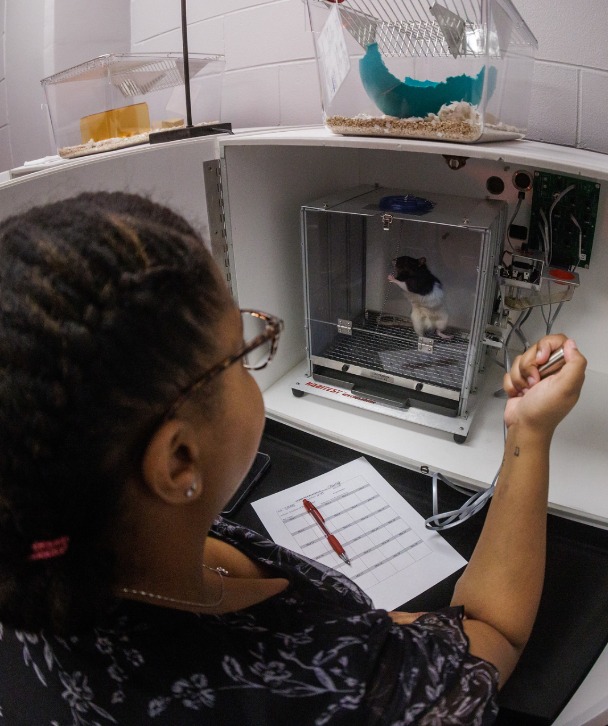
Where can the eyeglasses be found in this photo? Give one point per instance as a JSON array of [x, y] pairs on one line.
[[261, 332]]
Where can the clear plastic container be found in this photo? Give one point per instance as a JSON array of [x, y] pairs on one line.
[[460, 71], [409, 347], [125, 96]]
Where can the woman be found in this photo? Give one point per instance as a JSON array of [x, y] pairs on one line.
[[128, 419]]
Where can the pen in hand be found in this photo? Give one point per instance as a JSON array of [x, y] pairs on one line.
[[556, 361], [318, 517]]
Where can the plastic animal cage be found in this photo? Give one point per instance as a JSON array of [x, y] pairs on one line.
[[457, 71], [363, 348], [125, 96]]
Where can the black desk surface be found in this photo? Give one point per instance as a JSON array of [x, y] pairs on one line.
[[571, 629]]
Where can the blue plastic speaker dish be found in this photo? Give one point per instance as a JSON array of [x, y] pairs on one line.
[[407, 204]]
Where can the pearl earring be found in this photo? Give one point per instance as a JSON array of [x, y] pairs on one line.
[[191, 489]]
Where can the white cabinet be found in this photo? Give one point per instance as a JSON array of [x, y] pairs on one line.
[[256, 183]]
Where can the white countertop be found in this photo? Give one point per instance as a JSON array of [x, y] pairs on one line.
[[579, 454]]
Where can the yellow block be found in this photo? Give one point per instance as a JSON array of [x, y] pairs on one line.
[[117, 122]]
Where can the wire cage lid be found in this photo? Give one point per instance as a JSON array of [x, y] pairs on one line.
[[416, 28], [135, 74]]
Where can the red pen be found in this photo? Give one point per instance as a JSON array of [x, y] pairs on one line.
[[318, 517]]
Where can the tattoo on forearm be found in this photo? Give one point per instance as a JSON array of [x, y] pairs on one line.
[[516, 452]]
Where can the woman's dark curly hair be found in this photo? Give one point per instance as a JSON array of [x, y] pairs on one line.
[[108, 309]]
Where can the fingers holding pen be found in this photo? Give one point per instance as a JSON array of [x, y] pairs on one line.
[[544, 406], [572, 374], [524, 372]]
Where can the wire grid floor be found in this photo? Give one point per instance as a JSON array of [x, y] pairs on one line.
[[393, 349]]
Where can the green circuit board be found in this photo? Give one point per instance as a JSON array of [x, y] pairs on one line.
[[576, 208]]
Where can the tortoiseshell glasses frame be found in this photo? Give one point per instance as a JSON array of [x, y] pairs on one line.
[[272, 327]]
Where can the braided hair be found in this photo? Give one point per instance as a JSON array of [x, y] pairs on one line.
[[108, 309]]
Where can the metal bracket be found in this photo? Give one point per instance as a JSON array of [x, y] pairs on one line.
[[425, 345], [345, 326], [387, 220], [493, 337], [217, 217]]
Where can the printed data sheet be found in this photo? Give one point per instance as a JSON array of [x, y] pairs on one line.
[[393, 556]]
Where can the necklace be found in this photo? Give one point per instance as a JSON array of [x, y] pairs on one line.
[[220, 571]]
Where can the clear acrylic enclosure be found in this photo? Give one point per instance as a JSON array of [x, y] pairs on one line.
[[458, 71], [364, 330], [125, 96]]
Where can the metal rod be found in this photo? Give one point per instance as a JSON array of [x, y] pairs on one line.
[[397, 14], [186, 64]]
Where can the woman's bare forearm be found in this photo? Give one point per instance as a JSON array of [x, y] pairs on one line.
[[501, 587], [502, 584]]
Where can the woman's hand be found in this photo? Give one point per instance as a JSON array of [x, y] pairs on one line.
[[541, 404]]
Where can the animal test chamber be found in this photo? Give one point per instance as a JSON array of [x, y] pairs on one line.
[[362, 346]]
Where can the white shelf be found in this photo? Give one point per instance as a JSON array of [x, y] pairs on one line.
[[552, 157], [579, 457], [564, 159]]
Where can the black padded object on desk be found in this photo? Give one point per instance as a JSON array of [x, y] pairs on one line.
[[571, 629]]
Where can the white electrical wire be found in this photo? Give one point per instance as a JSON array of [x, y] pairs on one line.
[[580, 240], [549, 321], [475, 503], [544, 233], [549, 318], [510, 222], [444, 520], [556, 201]]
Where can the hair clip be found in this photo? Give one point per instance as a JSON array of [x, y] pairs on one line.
[[48, 549]]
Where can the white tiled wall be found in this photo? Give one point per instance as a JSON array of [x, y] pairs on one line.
[[571, 75], [149, 20], [554, 106], [78, 37], [39, 38], [5, 147], [266, 34], [593, 129], [271, 75]]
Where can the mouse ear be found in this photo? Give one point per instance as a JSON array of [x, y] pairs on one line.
[[421, 261]]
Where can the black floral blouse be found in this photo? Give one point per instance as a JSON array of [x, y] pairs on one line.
[[315, 654]]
